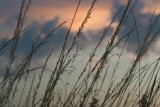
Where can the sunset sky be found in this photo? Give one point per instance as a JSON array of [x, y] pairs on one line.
[[47, 10], [45, 15]]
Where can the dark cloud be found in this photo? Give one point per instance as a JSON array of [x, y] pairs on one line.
[[27, 38], [54, 41], [142, 21], [11, 20], [86, 39], [57, 39], [25, 42]]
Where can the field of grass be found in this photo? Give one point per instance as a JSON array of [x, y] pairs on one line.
[[95, 84]]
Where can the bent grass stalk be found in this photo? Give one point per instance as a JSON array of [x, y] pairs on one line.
[[88, 87]]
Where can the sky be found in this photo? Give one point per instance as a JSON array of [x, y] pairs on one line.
[[44, 15]]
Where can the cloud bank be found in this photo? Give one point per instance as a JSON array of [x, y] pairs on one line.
[[46, 15]]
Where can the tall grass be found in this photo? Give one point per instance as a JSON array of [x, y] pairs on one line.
[[132, 90]]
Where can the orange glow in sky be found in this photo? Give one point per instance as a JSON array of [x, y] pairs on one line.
[[43, 11], [100, 17]]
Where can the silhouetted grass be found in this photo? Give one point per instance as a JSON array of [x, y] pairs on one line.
[[87, 90]]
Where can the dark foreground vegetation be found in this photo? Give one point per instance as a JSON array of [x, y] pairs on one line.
[[139, 86]]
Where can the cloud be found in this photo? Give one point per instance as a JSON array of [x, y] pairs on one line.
[[48, 14], [43, 11], [99, 18], [7, 26], [56, 40], [30, 35], [142, 21], [150, 6]]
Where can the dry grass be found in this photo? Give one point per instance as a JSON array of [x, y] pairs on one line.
[[89, 86]]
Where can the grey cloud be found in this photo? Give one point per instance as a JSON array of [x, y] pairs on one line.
[[142, 25], [55, 41]]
